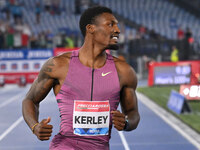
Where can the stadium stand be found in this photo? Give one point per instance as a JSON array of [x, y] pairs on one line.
[[149, 28], [161, 15], [143, 20]]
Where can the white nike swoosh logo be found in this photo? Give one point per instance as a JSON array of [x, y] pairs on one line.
[[104, 74]]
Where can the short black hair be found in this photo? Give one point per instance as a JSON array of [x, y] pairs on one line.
[[88, 16]]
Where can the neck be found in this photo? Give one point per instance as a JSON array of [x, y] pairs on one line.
[[92, 55]]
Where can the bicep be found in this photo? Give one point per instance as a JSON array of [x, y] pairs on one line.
[[128, 95]]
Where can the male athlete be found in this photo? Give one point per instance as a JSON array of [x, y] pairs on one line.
[[88, 84]]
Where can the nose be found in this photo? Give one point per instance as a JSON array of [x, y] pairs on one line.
[[116, 29]]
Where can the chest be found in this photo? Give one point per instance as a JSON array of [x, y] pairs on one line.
[[93, 84]]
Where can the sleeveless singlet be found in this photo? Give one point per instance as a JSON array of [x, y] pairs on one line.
[[87, 84]]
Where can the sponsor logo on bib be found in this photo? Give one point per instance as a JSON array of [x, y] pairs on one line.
[[91, 117]]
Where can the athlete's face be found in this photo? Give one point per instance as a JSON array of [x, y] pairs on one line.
[[106, 31]]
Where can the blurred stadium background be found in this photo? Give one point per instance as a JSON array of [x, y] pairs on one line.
[[31, 31], [149, 28]]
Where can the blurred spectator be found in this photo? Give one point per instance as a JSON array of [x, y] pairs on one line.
[[17, 40], [15, 34], [2, 40], [2, 4], [69, 42], [185, 54], [16, 10], [9, 37], [85, 4], [3, 25], [188, 33], [19, 26], [142, 31], [79, 41], [42, 41], [153, 35], [147, 61], [77, 4], [188, 36], [55, 7], [38, 10], [26, 34], [26, 30], [5, 8], [130, 35], [49, 39], [24, 40], [174, 54], [47, 5], [180, 34], [57, 40], [33, 42]]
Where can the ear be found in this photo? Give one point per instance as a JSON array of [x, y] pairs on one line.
[[90, 28]]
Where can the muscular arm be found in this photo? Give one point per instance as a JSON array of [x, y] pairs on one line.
[[38, 91], [128, 101]]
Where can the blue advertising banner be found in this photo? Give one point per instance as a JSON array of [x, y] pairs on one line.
[[22, 61], [176, 102], [17, 64], [25, 54]]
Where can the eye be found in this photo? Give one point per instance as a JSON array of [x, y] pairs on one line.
[[110, 24]]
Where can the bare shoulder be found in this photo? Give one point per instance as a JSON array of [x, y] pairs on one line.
[[62, 59], [126, 73], [54, 67]]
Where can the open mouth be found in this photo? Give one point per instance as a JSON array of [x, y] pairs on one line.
[[114, 37]]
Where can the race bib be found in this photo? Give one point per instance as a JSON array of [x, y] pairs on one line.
[[91, 117]]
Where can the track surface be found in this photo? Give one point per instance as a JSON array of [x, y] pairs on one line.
[[152, 133]]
